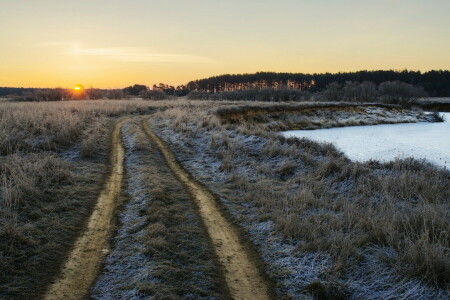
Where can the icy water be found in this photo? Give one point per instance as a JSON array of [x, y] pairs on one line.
[[386, 142]]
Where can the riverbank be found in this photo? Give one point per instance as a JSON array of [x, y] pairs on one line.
[[323, 225], [309, 116], [422, 140]]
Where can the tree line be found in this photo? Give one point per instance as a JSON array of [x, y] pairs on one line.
[[436, 83], [393, 92], [270, 86]]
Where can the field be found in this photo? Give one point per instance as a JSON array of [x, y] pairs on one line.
[[178, 199]]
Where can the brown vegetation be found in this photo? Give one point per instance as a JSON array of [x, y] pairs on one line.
[[311, 115], [160, 226], [52, 164], [314, 194]]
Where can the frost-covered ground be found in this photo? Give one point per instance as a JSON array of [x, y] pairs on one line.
[[160, 250], [317, 116], [126, 266], [423, 140], [291, 270]]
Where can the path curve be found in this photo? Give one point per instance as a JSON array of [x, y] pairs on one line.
[[83, 264], [241, 273]]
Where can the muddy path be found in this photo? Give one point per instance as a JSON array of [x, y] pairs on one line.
[[241, 273], [84, 261]]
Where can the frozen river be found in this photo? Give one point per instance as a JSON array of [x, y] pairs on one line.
[[386, 142]]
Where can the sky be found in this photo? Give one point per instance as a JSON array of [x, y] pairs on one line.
[[116, 43]]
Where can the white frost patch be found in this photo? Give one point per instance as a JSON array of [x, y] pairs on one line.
[[126, 266], [429, 141], [373, 279]]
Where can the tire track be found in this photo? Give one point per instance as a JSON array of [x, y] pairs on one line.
[[84, 262], [242, 276]]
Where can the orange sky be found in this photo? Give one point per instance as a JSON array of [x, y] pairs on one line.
[[114, 43]]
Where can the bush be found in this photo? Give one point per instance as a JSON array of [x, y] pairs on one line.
[[153, 95], [399, 92], [360, 92], [333, 92], [45, 95], [393, 92], [135, 90], [94, 94], [117, 94]]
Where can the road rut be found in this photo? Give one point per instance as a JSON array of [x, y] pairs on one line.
[[84, 262], [243, 279], [242, 276]]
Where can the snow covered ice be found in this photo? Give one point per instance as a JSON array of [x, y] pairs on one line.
[[430, 141]]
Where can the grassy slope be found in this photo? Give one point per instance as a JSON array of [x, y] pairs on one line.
[[380, 223]]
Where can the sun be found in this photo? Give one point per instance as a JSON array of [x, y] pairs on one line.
[[78, 88]]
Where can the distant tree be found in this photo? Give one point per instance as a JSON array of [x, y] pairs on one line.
[[94, 94], [436, 83], [57, 94], [333, 92], [399, 92], [368, 92], [153, 95], [135, 90], [117, 94], [11, 92], [181, 91], [350, 91], [359, 92], [167, 89]]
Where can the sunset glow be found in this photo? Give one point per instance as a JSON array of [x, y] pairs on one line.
[[112, 44]]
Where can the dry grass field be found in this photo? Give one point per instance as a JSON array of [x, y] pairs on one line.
[[315, 223], [372, 229], [52, 165]]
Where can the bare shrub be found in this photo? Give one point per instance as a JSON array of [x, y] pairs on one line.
[[360, 92], [95, 94], [116, 94], [333, 92], [153, 95], [57, 94], [91, 137], [399, 92]]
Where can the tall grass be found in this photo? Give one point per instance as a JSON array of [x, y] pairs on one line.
[[51, 125], [8, 208], [44, 197], [317, 196]]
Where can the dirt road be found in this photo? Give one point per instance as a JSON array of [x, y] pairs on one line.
[[243, 279], [241, 273], [82, 266]]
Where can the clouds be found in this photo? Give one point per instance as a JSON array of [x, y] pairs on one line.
[[126, 54], [136, 54]]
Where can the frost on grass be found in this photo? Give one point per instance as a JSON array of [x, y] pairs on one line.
[[126, 266], [249, 171]]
